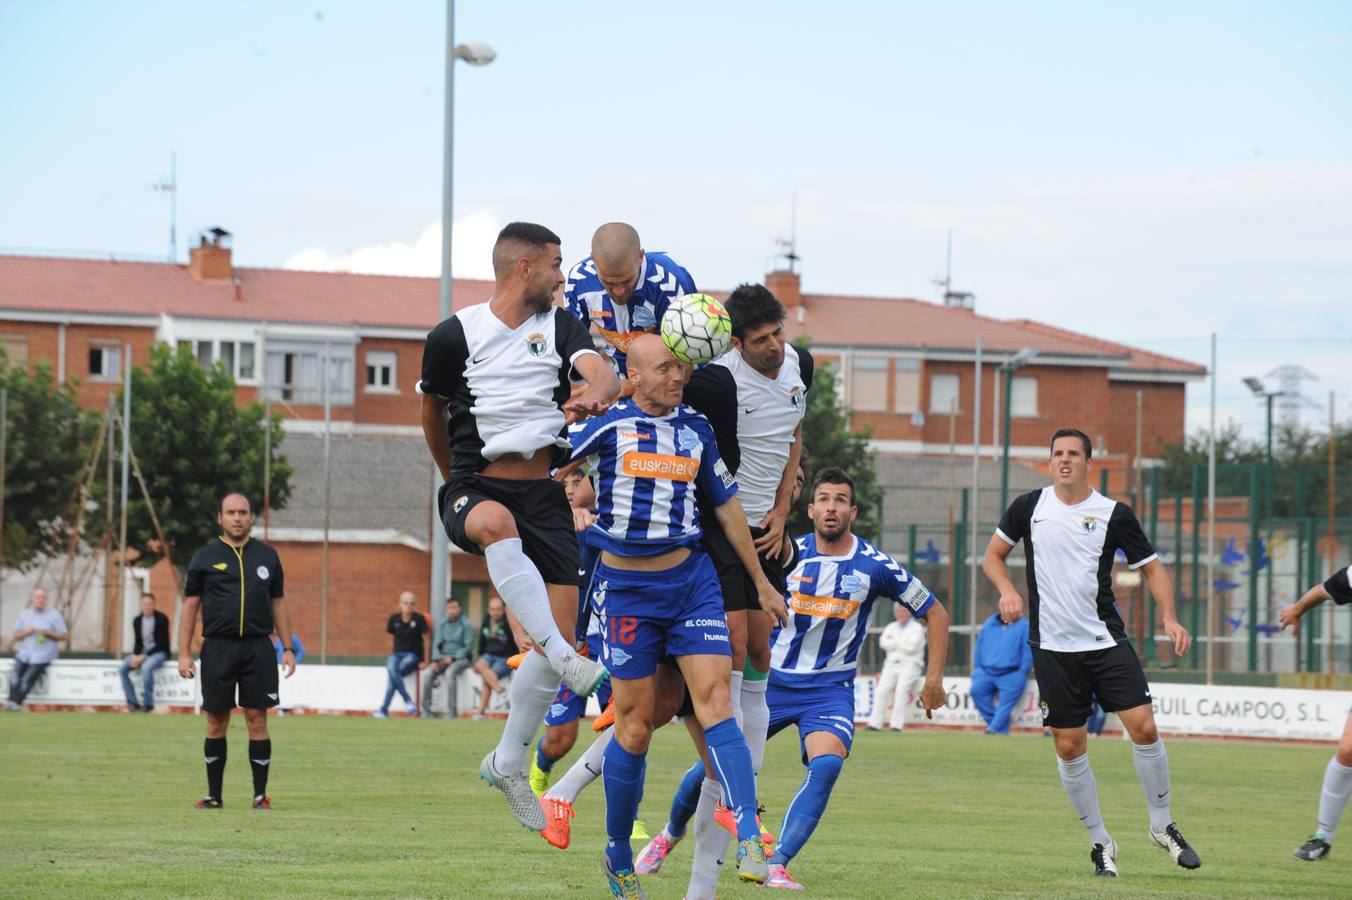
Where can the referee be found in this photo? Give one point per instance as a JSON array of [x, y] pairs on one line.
[[1080, 648], [237, 582]]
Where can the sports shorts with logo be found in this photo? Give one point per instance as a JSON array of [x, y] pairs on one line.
[[569, 707], [247, 665], [647, 616], [538, 506], [829, 708], [1065, 682]]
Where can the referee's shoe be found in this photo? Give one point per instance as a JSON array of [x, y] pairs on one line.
[[1171, 839]]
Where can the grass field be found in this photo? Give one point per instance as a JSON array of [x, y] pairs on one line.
[[100, 805]]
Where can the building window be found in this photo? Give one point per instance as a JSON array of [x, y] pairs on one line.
[[237, 356], [868, 384], [15, 347], [905, 386], [294, 375], [944, 394], [105, 362], [1023, 397], [381, 372]]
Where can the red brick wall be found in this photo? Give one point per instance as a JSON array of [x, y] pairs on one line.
[[399, 408], [1162, 422]]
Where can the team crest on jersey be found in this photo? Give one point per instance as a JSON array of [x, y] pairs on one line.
[[1089, 523], [459, 503], [643, 317], [797, 398], [263, 573], [535, 343], [686, 438], [853, 581], [1046, 710]]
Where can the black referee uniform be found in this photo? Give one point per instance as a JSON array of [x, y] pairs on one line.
[[237, 586]]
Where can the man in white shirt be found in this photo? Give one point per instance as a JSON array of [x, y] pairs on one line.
[[39, 633], [904, 666]]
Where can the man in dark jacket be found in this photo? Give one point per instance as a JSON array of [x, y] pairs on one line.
[[150, 631], [1003, 659]]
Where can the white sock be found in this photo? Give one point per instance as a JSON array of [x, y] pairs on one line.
[[1078, 780], [735, 692], [711, 844], [1333, 797], [533, 688], [1152, 767], [755, 719], [584, 771], [523, 590]]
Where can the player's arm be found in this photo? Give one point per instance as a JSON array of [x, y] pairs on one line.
[[771, 544], [937, 620], [187, 627], [1162, 587], [1291, 615], [996, 569], [733, 519], [603, 388], [435, 414]]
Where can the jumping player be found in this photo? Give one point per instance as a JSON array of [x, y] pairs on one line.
[[1338, 773], [1080, 648], [657, 595], [495, 388]]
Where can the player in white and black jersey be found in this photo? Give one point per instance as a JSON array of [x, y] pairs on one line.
[[1337, 786], [496, 385], [1071, 534]]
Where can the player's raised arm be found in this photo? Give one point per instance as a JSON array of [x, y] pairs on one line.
[[1291, 615], [603, 388]]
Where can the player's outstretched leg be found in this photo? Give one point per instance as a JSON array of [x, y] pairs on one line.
[[802, 816], [1333, 797], [731, 762], [711, 844], [533, 687], [683, 806], [558, 800], [1078, 781]]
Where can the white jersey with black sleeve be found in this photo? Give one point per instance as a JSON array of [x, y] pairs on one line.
[[1069, 551], [1339, 586], [506, 386]]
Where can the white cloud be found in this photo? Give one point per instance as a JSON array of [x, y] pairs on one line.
[[472, 238]]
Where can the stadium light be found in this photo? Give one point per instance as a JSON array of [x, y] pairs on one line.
[[1015, 362], [475, 53], [1262, 393]]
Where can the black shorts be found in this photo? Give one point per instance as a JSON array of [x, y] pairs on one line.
[[540, 509], [1066, 682], [247, 663], [739, 592]]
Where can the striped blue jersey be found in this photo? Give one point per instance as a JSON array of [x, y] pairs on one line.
[[830, 599], [646, 469], [661, 279]]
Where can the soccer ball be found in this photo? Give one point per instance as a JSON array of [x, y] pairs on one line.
[[696, 329]]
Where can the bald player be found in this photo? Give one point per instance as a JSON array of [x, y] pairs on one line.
[[622, 291]]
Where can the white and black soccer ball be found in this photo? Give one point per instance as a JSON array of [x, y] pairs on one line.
[[696, 328]]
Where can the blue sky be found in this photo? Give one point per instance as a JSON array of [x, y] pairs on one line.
[[1148, 173]]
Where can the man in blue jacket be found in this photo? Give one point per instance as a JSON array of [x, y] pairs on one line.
[[1003, 660]]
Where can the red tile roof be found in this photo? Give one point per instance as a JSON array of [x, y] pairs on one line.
[[61, 285]]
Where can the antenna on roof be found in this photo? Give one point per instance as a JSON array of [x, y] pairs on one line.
[[959, 299], [791, 245], [170, 187]]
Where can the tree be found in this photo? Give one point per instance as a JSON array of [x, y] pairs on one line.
[[829, 441], [47, 436], [194, 444]]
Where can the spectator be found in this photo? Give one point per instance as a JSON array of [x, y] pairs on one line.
[[410, 629], [904, 643], [453, 652], [150, 649], [38, 632], [1003, 660], [496, 644]]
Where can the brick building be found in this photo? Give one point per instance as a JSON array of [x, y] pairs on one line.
[[904, 366]]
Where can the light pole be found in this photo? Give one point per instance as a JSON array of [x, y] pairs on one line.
[[1262, 393], [1017, 361], [476, 53]]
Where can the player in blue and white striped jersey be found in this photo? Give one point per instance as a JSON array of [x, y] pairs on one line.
[[813, 658], [657, 595], [622, 291]]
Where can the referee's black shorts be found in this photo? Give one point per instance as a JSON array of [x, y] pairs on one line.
[[1066, 682], [541, 512], [739, 592], [248, 664]]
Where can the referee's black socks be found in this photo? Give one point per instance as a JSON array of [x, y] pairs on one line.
[[213, 749], [260, 755]]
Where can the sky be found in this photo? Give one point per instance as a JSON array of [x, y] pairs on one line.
[[1150, 173]]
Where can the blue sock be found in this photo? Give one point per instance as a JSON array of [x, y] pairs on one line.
[[807, 807], [623, 777], [686, 799], [541, 760], [732, 765]]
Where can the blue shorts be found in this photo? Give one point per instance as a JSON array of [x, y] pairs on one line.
[[813, 709], [648, 616], [569, 707], [497, 663]]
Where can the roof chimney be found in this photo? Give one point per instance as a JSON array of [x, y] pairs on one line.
[[786, 286], [210, 259]]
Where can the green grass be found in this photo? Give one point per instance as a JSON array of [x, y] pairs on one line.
[[100, 805]]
